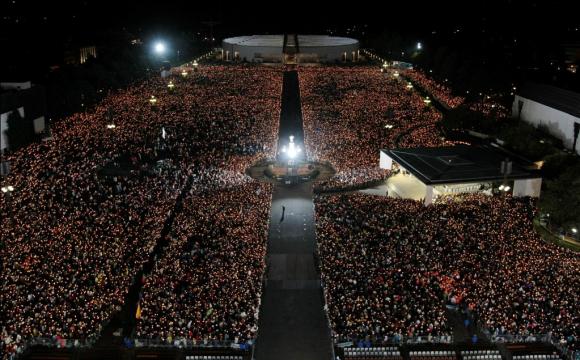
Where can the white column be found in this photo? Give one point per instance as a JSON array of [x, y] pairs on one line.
[[428, 195]]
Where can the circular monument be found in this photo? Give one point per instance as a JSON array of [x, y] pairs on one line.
[[298, 48], [291, 167]]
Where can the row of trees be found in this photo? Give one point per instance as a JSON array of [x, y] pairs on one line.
[[561, 194], [561, 171]]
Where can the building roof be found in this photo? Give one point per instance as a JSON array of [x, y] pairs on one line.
[[459, 164], [324, 40], [276, 41], [556, 98]]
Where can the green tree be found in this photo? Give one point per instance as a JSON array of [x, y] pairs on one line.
[[561, 198], [556, 164]]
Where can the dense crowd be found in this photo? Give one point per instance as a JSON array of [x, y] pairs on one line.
[[490, 105], [438, 90], [89, 205], [389, 267], [207, 285], [352, 113]]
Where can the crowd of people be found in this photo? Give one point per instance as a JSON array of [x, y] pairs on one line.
[[207, 285], [351, 113], [488, 104], [89, 205], [438, 90], [389, 267]]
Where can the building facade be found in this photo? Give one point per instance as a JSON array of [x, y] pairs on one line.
[[555, 110]]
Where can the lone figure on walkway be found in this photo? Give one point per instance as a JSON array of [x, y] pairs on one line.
[[283, 211]]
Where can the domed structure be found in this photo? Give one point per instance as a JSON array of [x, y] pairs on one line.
[[290, 48]]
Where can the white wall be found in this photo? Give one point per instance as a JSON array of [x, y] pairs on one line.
[[330, 53], [39, 124], [4, 126], [385, 161], [527, 187], [16, 85], [558, 123]]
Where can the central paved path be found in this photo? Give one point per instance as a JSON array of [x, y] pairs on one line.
[[292, 321]]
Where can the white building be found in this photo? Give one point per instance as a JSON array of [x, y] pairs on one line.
[[260, 48], [555, 109], [28, 101], [301, 48], [427, 173]]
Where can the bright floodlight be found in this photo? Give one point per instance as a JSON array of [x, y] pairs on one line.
[[419, 46], [574, 230], [160, 48], [292, 150]]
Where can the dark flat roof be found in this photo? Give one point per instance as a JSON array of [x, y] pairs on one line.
[[556, 98], [459, 164]]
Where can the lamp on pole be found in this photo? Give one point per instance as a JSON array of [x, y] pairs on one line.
[[505, 169], [8, 189]]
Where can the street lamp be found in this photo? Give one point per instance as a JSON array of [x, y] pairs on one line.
[[409, 85], [427, 101], [153, 100], [171, 85], [111, 126], [184, 73], [574, 230], [7, 189], [505, 188], [419, 46]]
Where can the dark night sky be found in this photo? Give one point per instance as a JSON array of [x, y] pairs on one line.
[[279, 16], [31, 27]]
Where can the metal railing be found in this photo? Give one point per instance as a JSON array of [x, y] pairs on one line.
[[183, 343], [397, 340]]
